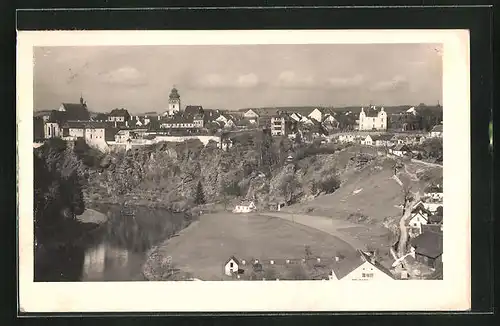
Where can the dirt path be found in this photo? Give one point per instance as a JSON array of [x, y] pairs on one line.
[[325, 224]]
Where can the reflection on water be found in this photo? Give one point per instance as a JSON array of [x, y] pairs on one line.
[[117, 250]]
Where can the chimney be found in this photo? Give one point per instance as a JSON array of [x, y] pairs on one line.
[[337, 258]]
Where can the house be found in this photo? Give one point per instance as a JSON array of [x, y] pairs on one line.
[[174, 103], [400, 150], [179, 123], [372, 119], [119, 115], [94, 132], [231, 266], [347, 138], [222, 118], [122, 136], [73, 129], [330, 122], [316, 114], [436, 219], [194, 110], [229, 124], [277, 205], [152, 115], [437, 131], [282, 125], [428, 248], [251, 116], [436, 196], [71, 111], [245, 207], [419, 216], [361, 266], [377, 140]]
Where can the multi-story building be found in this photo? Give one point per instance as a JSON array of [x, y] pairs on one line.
[[372, 119], [278, 126]]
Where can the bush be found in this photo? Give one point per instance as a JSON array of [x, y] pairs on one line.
[[329, 185]]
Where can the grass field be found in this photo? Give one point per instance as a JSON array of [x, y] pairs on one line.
[[203, 247]]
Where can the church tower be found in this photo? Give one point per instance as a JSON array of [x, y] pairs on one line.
[[174, 102]]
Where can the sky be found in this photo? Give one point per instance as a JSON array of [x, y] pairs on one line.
[[139, 78]]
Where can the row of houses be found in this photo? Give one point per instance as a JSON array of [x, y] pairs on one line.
[[425, 228], [360, 266]]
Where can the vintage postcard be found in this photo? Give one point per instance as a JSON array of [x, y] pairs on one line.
[[213, 171]]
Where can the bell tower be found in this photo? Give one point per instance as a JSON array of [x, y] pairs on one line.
[[174, 102]]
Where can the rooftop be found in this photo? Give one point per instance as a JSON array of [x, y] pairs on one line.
[[429, 244], [438, 128]]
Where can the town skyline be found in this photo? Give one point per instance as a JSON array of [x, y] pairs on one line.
[[236, 77]]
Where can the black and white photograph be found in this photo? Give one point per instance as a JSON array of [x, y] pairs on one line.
[[276, 163]]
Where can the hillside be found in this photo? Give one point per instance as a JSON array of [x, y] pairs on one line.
[[371, 194]]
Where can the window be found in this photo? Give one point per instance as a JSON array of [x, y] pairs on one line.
[[231, 265]]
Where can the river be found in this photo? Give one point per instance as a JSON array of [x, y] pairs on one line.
[[113, 251]]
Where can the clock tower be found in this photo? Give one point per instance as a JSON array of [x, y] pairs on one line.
[[174, 102]]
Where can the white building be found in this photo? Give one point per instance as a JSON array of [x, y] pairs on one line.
[[372, 119], [400, 150], [436, 132], [51, 130], [251, 116], [316, 114], [364, 267], [347, 138], [419, 216], [231, 266], [245, 207]]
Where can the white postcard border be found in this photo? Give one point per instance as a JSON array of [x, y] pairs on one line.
[[451, 293]]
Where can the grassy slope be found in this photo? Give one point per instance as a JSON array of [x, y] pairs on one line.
[[377, 197], [203, 247]]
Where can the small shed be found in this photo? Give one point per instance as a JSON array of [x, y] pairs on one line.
[[231, 266]]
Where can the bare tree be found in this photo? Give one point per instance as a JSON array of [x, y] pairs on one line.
[[403, 234]]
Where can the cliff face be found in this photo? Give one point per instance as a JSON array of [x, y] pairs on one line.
[[168, 174]]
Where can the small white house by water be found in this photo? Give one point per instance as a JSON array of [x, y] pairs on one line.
[[245, 207]]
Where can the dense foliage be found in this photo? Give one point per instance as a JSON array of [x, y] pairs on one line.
[[58, 195]]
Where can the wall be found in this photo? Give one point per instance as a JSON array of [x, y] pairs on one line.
[[76, 132]]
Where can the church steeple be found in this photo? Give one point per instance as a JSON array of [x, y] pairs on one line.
[[82, 101], [174, 102]]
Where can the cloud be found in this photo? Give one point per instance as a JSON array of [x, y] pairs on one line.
[[342, 83], [126, 75], [395, 83], [217, 81], [289, 79], [249, 80]]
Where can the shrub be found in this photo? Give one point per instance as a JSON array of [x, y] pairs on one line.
[[329, 185]]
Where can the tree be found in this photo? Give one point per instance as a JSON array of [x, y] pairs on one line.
[[329, 184], [307, 252], [199, 198], [288, 187], [298, 138]]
